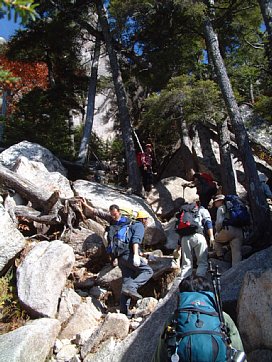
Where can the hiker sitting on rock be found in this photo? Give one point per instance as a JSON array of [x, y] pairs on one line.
[[194, 221], [182, 339]]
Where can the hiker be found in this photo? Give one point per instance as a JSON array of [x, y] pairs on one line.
[[206, 187], [135, 269], [194, 240], [114, 215], [266, 189], [226, 234], [195, 292], [144, 160]]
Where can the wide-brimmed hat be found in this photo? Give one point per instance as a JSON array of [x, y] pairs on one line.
[[219, 197]]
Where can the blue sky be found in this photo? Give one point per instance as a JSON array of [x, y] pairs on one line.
[[8, 27]]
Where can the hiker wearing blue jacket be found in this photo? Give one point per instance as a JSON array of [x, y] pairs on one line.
[[135, 269]]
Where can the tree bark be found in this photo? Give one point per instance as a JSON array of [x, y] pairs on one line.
[[134, 180], [266, 9], [257, 200], [204, 135], [228, 174], [40, 199], [84, 146], [186, 150]]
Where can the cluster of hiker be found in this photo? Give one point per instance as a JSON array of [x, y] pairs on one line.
[[199, 327]]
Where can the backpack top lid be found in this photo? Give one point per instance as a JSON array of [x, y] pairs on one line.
[[202, 301]]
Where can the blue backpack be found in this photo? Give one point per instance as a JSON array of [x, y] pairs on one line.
[[118, 242], [199, 337], [238, 214]]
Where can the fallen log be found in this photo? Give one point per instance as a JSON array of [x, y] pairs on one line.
[[40, 199], [22, 211]]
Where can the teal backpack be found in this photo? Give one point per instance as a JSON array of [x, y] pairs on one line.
[[199, 336]]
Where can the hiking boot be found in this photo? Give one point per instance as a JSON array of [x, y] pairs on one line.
[[132, 294]]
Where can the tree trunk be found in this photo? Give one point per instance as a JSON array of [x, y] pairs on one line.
[[84, 145], [228, 174], [133, 171], [39, 198], [209, 159], [257, 200], [186, 150], [266, 9]]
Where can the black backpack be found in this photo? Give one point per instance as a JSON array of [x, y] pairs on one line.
[[117, 237], [187, 220]]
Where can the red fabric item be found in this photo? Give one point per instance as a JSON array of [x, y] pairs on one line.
[[140, 158], [207, 177]]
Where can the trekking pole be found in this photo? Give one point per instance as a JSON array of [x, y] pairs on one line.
[[137, 139], [217, 290]]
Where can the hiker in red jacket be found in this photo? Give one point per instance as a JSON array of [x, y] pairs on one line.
[[144, 160]]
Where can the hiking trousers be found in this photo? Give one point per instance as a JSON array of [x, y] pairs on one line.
[[133, 277], [233, 236], [198, 244]]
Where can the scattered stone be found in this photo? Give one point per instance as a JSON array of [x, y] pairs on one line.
[[66, 353], [145, 306]]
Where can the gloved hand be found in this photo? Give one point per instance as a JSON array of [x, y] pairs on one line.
[[136, 260], [177, 254]]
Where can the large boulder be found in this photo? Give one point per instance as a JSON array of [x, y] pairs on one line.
[[86, 316], [30, 343], [254, 310], [232, 279], [102, 196], [168, 195], [172, 237], [42, 275], [115, 325], [69, 302], [11, 240], [38, 175], [33, 152]]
